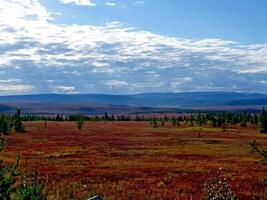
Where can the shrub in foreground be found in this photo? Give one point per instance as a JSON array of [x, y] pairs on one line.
[[31, 189], [263, 120], [217, 188], [7, 177], [263, 153], [18, 126], [5, 124], [79, 121]]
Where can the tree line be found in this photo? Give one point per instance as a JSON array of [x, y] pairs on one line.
[[10, 122], [214, 119], [29, 188]]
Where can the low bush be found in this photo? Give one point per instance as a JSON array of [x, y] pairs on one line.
[[217, 188]]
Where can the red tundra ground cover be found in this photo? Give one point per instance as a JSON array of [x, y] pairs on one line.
[[131, 160]]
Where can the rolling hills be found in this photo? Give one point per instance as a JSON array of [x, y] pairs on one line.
[[95, 103]]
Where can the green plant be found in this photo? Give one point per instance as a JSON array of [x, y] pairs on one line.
[[162, 123], [263, 153], [173, 119], [243, 123], [18, 126], [2, 143], [79, 121], [5, 125], [191, 122], [263, 121], [154, 123], [258, 150], [7, 176], [217, 188], [30, 189]]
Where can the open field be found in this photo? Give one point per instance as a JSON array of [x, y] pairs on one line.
[[131, 160]]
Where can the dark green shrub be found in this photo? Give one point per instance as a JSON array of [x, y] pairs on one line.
[[243, 122], [258, 150], [173, 119], [217, 188], [18, 126], [263, 153], [263, 121], [162, 123], [31, 189], [5, 125], [79, 121], [7, 177], [154, 123]]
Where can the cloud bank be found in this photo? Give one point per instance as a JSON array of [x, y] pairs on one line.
[[79, 2], [39, 56]]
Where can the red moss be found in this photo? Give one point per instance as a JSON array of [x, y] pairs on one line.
[[130, 160]]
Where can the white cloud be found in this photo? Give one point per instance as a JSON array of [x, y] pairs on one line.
[[79, 2], [10, 80], [34, 50], [115, 83], [6, 88], [111, 4], [138, 3], [65, 89], [180, 81]]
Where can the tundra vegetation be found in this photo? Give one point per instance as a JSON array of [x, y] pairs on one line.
[[263, 119], [263, 154], [28, 189], [79, 121], [135, 156], [214, 119]]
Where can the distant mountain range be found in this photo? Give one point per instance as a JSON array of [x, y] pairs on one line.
[[146, 101]]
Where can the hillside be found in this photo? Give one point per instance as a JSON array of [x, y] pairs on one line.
[[95, 103]]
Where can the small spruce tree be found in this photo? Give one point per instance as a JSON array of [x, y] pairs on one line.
[[31, 189], [191, 123], [18, 126], [256, 120], [7, 176], [79, 121], [162, 122], [173, 121], [263, 121], [263, 153], [154, 123], [5, 125], [243, 122]]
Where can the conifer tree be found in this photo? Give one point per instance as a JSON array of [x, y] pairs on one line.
[[191, 123], [106, 117], [173, 121], [5, 125], [256, 120], [79, 121], [178, 123], [263, 121], [224, 123], [199, 119], [18, 126], [162, 122], [7, 177], [243, 121], [166, 119], [154, 123]]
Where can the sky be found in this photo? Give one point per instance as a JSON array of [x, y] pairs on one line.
[[132, 46]]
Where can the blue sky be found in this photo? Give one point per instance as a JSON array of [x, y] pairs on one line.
[[132, 46], [238, 20]]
